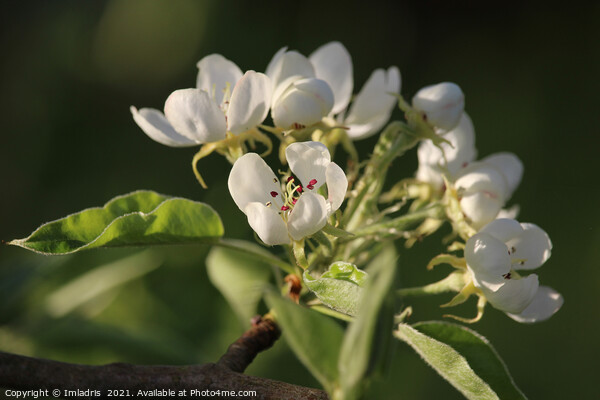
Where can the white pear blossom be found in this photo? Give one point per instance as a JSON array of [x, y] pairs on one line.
[[449, 158], [299, 99], [302, 103], [372, 106], [442, 104], [279, 211], [485, 186], [331, 65], [495, 253], [225, 100]]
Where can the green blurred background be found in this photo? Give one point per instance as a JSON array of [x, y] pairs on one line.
[[71, 69]]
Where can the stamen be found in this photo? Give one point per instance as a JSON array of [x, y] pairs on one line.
[[507, 275], [268, 204], [312, 182], [274, 194], [299, 189], [294, 201], [274, 180], [311, 187], [284, 208], [290, 178]]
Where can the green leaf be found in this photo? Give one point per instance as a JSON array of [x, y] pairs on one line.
[[140, 218], [314, 338], [478, 352], [339, 287], [241, 279], [347, 272], [368, 336], [447, 361]]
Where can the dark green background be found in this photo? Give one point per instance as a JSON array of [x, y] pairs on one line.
[[70, 70]]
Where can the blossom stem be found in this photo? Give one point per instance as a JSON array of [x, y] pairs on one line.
[[395, 140], [299, 254], [203, 152], [265, 256], [323, 241], [452, 283], [397, 226]]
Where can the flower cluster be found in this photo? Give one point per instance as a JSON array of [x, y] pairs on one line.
[[483, 186], [299, 91], [312, 108], [496, 252], [497, 245]]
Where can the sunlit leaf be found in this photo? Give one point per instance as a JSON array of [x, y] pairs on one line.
[[339, 287], [140, 218], [451, 364], [479, 353]]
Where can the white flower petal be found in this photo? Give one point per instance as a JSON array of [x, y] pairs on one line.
[[270, 70], [503, 229], [481, 207], [333, 64], [442, 104], [458, 154], [250, 102], [286, 64], [195, 115], [546, 302], [532, 245], [515, 295], [510, 166], [251, 180], [308, 161], [482, 177], [431, 174], [267, 223], [155, 125], [510, 212], [488, 259], [305, 102], [214, 72], [373, 106], [308, 216], [337, 185]]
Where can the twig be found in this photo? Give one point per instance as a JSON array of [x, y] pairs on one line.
[[88, 381], [261, 336]]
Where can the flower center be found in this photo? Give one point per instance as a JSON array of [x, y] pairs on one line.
[[291, 193]]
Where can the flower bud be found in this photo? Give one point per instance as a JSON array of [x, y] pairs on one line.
[[442, 104], [304, 102]]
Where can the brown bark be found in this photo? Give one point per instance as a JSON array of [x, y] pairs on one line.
[[27, 373]]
